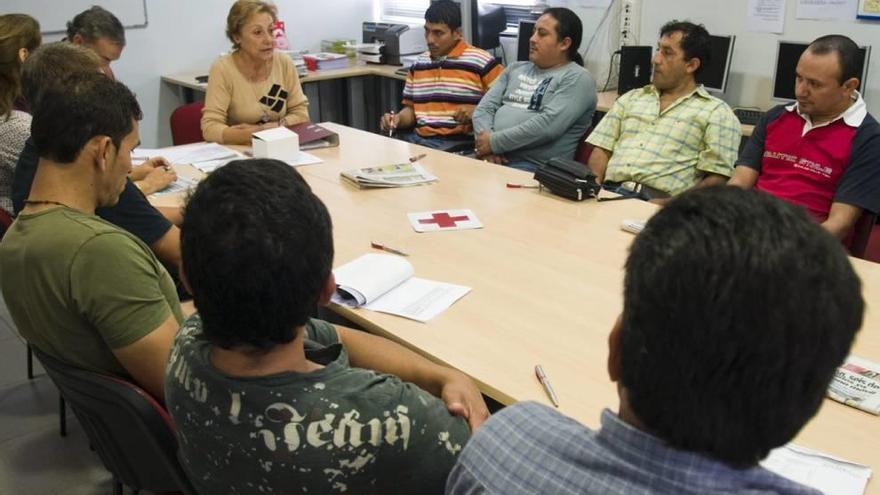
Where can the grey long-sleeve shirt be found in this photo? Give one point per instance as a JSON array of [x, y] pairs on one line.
[[536, 114]]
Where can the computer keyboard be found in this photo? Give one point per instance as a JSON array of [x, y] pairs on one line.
[[748, 116]]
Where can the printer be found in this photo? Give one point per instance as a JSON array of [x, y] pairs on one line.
[[397, 40]]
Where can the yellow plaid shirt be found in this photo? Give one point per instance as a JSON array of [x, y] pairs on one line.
[[671, 150]]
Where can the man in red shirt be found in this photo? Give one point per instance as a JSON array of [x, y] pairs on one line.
[[823, 151]]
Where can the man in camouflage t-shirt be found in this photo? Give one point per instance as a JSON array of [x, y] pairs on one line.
[[268, 400]]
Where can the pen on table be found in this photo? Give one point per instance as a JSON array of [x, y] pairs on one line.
[[511, 185], [383, 247], [391, 125], [416, 158], [545, 382]]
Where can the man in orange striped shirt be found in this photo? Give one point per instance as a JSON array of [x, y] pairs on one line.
[[445, 84]]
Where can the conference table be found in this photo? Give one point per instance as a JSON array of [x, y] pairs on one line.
[[546, 275]]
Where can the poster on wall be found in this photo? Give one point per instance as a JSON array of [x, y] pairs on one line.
[[766, 16], [826, 9], [869, 9]]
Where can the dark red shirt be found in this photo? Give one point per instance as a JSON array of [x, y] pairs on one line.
[[837, 162]]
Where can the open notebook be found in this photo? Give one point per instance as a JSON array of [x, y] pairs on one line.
[[383, 282]]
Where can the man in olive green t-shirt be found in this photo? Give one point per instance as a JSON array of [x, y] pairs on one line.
[[79, 288]]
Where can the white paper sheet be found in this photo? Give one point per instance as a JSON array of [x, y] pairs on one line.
[[182, 184], [188, 153], [382, 282], [826, 473], [827, 9], [304, 158], [766, 16], [419, 299]]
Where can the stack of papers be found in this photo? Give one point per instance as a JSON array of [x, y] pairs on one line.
[[398, 175], [633, 226], [182, 184], [828, 474], [326, 61], [189, 153], [383, 282]]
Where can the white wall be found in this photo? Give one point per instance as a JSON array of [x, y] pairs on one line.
[[185, 36], [754, 55]]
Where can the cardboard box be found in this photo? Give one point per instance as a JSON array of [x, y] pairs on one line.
[[279, 143]]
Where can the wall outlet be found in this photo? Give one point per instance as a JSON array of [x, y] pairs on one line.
[[630, 17]]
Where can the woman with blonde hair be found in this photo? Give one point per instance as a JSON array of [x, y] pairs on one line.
[[253, 87], [19, 36]]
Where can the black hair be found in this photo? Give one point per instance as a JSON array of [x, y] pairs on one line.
[[257, 248], [847, 54], [78, 108], [695, 41], [95, 23], [568, 25], [737, 310], [444, 12]]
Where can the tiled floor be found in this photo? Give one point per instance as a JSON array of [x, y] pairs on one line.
[[34, 458]]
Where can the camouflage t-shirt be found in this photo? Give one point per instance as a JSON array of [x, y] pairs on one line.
[[334, 430]]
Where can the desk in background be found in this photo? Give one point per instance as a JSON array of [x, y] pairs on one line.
[[556, 312], [356, 96]]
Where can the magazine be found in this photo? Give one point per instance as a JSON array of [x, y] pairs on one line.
[[398, 175], [857, 383]]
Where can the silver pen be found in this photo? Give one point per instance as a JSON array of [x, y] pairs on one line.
[[545, 382]]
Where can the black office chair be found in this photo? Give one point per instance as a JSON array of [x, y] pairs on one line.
[[491, 21], [861, 235], [131, 432]]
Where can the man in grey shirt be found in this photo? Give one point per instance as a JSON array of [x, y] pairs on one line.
[[716, 356], [540, 109]]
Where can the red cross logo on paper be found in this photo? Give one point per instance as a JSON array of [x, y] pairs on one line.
[[430, 221], [442, 220]]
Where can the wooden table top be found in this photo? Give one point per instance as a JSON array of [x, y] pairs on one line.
[[547, 279]]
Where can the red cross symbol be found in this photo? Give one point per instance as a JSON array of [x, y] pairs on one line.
[[443, 220]]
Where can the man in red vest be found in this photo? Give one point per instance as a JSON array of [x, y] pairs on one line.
[[823, 151]]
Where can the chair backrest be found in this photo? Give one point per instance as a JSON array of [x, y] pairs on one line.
[[584, 149], [186, 124], [5, 221], [131, 432], [861, 234]]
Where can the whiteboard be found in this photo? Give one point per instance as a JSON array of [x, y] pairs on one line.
[[54, 15]]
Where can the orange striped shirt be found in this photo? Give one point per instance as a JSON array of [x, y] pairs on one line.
[[436, 88]]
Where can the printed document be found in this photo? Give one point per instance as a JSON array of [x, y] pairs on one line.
[[384, 282]]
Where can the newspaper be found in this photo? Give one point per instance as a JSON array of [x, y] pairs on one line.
[[857, 383], [396, 175]]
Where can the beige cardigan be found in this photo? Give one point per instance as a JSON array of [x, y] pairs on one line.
[[232, 99]]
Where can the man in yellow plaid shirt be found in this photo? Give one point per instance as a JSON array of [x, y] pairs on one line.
[[670, 135]]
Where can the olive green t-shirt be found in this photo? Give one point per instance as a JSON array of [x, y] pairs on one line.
[[78, 286]]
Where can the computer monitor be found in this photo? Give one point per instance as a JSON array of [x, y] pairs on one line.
[[491, 21], [714, 75], [787, 55], [526, 28]]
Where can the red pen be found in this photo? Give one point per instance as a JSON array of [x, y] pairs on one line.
[[376, 245], [511, 185]]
